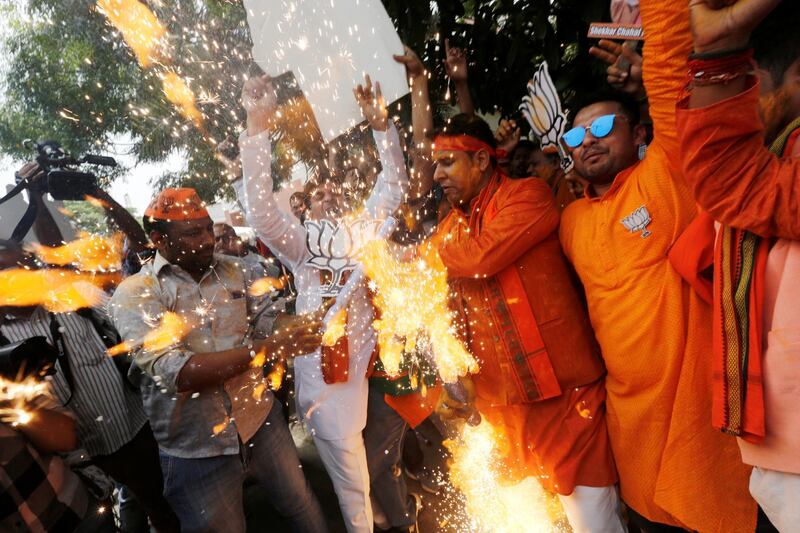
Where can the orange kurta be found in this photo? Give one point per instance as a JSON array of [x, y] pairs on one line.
[[562, 440], [654, 332]]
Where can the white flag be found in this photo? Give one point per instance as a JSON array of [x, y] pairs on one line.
[[329, 45]]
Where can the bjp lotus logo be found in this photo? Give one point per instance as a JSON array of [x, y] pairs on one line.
[[333, 247], [542, 109], [638, 221]]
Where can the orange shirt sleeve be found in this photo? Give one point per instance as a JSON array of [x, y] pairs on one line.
[[735, 178], [668, 43], [524, 218]]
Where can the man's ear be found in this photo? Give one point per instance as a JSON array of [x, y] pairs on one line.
[[158, 239], [483, 160], [639, 134]]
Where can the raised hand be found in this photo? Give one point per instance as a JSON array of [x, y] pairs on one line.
[[372, 104], [33, 174], [455, 62], [258, 95], [260, 102], [724, 25], [507, 135], [414, 66], [624, 71]]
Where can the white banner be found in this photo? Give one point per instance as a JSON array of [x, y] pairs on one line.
[[329, 45]]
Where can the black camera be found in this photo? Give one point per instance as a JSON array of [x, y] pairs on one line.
[[62, 179], [30, 357]]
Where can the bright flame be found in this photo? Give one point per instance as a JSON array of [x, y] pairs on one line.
[[89, 253], [169, 332], [216, 430], [258, 391], [413, 301], [335, 329], [178, 92], [275, 377], [58, 291], [490, 504], [259, 360], [138, 25], [14, 395], [263, 286]]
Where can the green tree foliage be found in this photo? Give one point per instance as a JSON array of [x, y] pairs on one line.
[[69, 76]]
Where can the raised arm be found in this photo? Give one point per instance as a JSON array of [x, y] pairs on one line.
[[668, 42], [391, 187], [422, 166], [456, 66], [279, 230], [527, 218], [735, 178], [126, 223]]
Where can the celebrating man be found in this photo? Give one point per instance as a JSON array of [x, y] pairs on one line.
[[331, 384], [757, 254], [203, 387], [541, 377], [654, 331]]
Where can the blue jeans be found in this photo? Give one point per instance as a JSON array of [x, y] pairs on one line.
[[206, 493]]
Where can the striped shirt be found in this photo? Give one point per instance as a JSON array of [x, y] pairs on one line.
[[108, 412]]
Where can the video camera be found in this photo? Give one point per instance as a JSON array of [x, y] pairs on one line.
[[62, 180]]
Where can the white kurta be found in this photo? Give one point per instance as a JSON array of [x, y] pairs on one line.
[[333, 411]]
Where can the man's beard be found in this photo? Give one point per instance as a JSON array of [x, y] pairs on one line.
[[774, 109]]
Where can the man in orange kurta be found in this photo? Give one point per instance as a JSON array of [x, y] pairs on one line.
[[754, 192], [540, 382], [654, 332]]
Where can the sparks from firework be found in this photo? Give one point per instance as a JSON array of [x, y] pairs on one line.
[[413, 301], [170, 331], [139, 27], [88, 253], [144, 34], [491, 504], [16, 395], [57, 290]]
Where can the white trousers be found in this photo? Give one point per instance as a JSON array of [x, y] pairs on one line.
[[594, 510], [778, 494], [346, 463]]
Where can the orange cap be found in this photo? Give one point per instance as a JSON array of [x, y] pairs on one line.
[[176, 204]]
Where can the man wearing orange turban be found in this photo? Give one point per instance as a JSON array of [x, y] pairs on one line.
[[201, 377]]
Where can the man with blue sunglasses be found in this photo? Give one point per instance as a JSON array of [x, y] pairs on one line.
[[676, 472]]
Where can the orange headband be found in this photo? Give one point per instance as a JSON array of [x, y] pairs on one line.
[[465, 143]]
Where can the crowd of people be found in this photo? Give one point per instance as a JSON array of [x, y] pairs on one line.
[[633, 318]]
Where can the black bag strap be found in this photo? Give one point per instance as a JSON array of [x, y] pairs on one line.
[[27, 220], [63, 355]]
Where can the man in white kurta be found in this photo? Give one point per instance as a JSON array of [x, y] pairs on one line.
[[335, 413]]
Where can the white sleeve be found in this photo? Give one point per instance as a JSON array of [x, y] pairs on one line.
[[391, 187], [280, 231]]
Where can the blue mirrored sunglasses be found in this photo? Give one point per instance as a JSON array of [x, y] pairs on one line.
[[601, 127]]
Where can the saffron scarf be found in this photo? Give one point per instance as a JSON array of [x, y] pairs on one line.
[[741, 259]]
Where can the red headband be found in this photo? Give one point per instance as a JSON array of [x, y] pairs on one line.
[[465, 143]]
